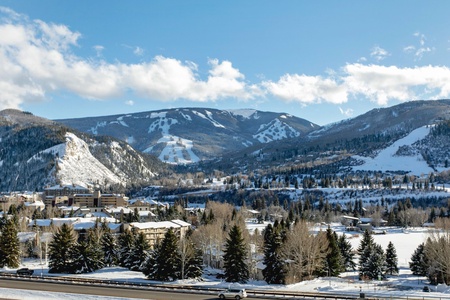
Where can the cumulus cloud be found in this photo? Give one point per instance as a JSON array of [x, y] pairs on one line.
[[378, 83], [129, 102], [381, 83], [36, 60], [307, 89]]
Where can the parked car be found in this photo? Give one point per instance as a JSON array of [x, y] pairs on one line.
[[426, 289], [233, 294], [25, 271]]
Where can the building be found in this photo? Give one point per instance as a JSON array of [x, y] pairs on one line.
[[60, 193], [155, 231], [97, 199]]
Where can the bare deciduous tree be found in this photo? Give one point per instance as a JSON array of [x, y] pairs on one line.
[[303, 252]]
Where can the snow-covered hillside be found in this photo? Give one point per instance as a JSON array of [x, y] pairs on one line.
[[188, 135], [388, 159]]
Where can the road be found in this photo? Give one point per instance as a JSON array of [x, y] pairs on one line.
[[98, 290], [102, 290]]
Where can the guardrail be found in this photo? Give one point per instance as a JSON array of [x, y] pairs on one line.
[[268, 294]]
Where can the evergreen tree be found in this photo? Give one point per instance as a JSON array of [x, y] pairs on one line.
[[109, 246], [163, 263], [139, 252], [61, 248], [195, 264], [333, 261], [125, 245], [374, 266], [391, 259], [274, 272], [418, 263], [235, 254], [9, 246], [348, 257], [87, 255], [365, 250], [150, 267]]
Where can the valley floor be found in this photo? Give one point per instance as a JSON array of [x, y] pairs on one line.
[[401, 286]]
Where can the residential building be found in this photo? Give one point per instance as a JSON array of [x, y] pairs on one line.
[[155, 231]]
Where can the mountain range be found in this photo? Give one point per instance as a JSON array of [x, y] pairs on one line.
[[188, 135], [130, 149]]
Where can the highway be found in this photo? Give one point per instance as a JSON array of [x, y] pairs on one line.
[[136, 292], [103, 290]]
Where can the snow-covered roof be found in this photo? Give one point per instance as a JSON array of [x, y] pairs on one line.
[[162, 224], [118, 210], [35, 204], [145, 213]]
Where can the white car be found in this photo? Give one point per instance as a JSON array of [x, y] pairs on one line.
[[233, 294]]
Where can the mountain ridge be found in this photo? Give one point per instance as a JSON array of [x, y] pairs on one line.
[[186, 135]]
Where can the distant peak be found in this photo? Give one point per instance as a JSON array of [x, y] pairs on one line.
[[246, 112], [17, 116]]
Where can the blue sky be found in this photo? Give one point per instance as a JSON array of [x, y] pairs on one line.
[[320, 60]]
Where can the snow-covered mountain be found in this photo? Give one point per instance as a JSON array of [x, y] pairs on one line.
[[413, 137], [188, 135], [36, 152]]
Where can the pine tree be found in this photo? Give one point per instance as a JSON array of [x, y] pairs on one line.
[[376, 265], [163, 263], [333, 261], [366, 242], [418, 263], [125, 245], [60, 250], [195, 264], [150, 267], [391, 259], [235, 254], [274, 272], [139, 252], [87, 255], [365, 250], [347, 254], [9, 246], [109, 247]]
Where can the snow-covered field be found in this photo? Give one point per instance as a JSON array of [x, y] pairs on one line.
[[403, 285]]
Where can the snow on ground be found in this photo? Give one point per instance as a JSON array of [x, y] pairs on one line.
[[274, 131], [77, 164], [176, 149], [403, 285], [209, 118], [41, 295], [386, 161]]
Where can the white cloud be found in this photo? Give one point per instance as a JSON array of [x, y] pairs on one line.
[[379, 53], [378, 83], [36, 60], [381, 83], [421, 49], [307, 89], [129, 102]]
